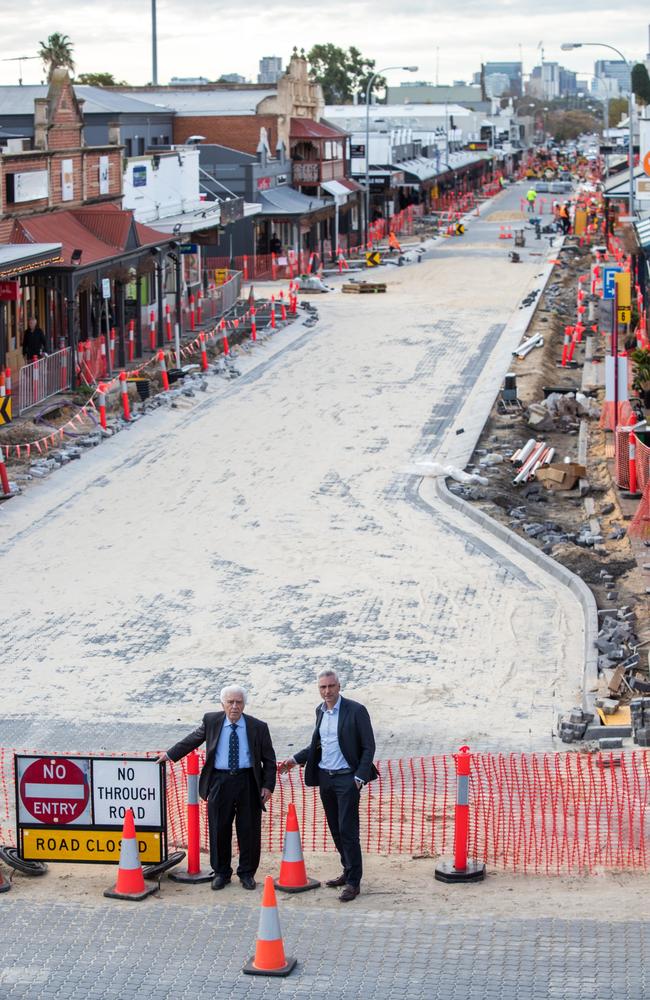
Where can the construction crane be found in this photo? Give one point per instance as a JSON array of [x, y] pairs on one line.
[[20, 60]]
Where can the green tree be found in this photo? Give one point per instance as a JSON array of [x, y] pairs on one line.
[[641, 84], [342, 73], [568, 125], [56, 51], [100, 80], [618, 109]]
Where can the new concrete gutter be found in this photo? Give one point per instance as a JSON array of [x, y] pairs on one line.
[[457, 449]]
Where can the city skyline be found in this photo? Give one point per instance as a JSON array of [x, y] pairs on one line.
[[234, 44]]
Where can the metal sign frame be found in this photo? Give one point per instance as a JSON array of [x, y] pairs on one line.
[[85, 828]]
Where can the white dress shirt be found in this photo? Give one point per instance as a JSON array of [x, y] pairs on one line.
[[331, 757]]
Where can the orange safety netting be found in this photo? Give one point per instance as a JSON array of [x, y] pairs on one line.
[[639, 526], [539, 813]]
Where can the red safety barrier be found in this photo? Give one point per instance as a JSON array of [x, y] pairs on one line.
[[101, 404], [193, 873], [162, 365], [541, 813], [639, 526], [124, 389]]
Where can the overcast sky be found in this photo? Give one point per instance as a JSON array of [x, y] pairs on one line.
[[447, 40]]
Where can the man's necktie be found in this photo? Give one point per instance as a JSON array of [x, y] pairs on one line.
[[233, 748]]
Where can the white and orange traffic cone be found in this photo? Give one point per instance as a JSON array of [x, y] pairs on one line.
[[293, 875], [130, 880], [269, 958]]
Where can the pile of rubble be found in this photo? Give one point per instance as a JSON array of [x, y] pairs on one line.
[[562, 411]]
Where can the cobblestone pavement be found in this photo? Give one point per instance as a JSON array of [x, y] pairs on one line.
[[169, 953], [275, 528]]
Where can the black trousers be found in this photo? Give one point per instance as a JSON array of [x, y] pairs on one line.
[[234, 797], [340, 797]]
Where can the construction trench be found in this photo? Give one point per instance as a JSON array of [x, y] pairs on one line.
[[553, 411]]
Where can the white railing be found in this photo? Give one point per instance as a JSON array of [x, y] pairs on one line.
[[227, 294], [43, 378]]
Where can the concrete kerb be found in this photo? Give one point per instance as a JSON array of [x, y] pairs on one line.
[[457, 450], [555, 569]]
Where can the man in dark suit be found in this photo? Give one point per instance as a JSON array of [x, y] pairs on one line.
[[339, 760], [237, 779]]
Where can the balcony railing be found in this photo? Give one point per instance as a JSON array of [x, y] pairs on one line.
[[315, 171]]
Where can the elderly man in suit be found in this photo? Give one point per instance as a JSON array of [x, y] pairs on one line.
[[339, 760], [237, 779]]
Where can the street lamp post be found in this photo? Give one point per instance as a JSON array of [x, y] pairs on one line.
[[566, 46], [408, 69]]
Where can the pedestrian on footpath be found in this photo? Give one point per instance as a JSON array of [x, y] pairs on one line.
[[531, 198], [565, 218], [34, 343], [237, 779], [339, 761]]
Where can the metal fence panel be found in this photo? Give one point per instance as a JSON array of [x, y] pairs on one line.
[[43, 378]]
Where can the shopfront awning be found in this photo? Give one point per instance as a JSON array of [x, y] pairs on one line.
[[340, 190], [286, 201], [207, 216], [16, 258]]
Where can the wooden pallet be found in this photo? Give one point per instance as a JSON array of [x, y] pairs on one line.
[[364, 287]]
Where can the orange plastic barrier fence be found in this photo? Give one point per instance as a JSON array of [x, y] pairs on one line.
[[537, 813]]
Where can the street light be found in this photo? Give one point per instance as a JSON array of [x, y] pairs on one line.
[[566, 46], [407, 69]]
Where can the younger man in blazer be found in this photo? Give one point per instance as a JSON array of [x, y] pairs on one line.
[[339, 760]]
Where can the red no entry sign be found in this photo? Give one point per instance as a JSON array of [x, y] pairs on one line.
[[54, 790]]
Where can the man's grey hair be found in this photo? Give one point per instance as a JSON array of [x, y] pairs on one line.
[[232, 689], [328, 672]]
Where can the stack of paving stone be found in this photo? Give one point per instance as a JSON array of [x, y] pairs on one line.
[[573, 729], [640, 713]]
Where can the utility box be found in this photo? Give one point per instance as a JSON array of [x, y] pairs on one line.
[[509, 391]]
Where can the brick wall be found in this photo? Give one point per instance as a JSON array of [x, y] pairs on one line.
[[237, 131]]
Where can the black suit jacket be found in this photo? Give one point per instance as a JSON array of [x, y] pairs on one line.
[[259, 743], [356, 740]]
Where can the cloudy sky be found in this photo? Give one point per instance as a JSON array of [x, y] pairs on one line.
[[210, 37]]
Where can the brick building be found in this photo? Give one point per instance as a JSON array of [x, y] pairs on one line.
[[65, 192]]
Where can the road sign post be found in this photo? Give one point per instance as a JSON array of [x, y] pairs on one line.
[[72, 808]]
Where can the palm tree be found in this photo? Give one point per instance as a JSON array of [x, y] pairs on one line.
[[56, 51]]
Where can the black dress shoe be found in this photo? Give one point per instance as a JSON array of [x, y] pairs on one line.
[[219, 881], [350, 892], [334, 883], [247, 881]]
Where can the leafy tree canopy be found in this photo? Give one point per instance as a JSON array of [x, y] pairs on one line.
[[342, 73], [100, 80], [55, 52], [641, 84]]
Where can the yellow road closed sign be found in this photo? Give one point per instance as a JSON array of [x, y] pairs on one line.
[[101, 846]]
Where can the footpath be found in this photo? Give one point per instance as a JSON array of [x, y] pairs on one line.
[[283, 524]]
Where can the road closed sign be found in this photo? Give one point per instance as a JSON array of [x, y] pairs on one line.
[[72, 808]]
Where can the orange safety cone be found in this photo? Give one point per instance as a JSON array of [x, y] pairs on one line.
[[269, 958], [130, 880], [293, 876]]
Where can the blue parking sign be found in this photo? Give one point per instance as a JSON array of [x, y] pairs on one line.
[[609, 281]]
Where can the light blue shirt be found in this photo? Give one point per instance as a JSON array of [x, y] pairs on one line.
[[223, 744], [331, 757]]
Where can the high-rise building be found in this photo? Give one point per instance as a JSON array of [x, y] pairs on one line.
[[270, 69], [611, 69], [510, 69]]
